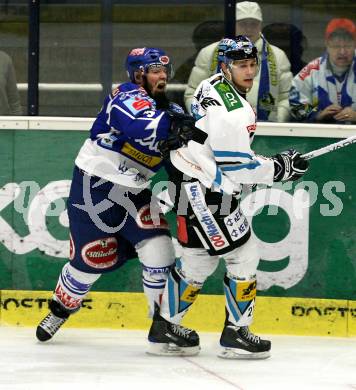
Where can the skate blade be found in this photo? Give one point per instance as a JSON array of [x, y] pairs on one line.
[[234, 353], [168, 349]]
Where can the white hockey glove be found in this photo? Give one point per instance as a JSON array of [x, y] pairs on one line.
[[289, 165]]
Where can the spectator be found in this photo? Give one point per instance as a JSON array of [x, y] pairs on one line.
[[269, 94], [290, 39], [204, 34], [9, 95], [325, 89]]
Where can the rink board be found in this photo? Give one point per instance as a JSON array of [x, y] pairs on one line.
[[274, 315], [34, 236]]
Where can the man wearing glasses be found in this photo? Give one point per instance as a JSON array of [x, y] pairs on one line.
[[325, 89]]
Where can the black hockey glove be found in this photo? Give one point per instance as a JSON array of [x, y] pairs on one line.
[[181, 131], [289, 165]]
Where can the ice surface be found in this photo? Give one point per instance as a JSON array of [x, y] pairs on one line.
[[115, 359]]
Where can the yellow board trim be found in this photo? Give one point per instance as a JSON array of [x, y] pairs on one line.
[[290, 316]]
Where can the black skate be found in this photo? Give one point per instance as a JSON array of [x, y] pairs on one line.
[[240, 343], [49, 326], [168, 339]]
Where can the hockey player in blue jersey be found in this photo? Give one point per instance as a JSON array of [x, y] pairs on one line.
[[109, 204]]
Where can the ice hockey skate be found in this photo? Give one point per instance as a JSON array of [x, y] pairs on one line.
[[168, 339], [50, 325], [239, 343]]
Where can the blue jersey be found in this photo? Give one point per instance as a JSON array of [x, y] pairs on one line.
[[123, 139]]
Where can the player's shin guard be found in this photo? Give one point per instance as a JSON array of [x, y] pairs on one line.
[[166, 336], [239, 300], [156, 256], [178, 296], [236, 340], [69, 293], [154, 281]]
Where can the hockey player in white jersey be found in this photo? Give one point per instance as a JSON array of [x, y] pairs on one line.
[[218, 161]]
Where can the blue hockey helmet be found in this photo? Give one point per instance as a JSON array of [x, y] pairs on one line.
[[144, 58], [240, 48]]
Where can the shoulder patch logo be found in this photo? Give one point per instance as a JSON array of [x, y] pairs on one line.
[[136, 104], [229, 96]]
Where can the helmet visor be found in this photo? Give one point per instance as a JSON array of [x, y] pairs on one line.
[[244, 53], [158, 67]]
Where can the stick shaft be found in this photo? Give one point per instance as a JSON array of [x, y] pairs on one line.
[[330, 148]]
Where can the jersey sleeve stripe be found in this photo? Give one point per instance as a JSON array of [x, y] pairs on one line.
[[223, 153], [252, 165]]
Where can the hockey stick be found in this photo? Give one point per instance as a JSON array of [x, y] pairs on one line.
[[330, 148]]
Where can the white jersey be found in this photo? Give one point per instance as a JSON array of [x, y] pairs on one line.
[[225, 160]]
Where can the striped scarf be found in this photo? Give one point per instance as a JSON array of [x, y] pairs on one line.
[[268, 87]]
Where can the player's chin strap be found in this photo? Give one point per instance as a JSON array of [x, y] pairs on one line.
[[228, 73], [330, 148]]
